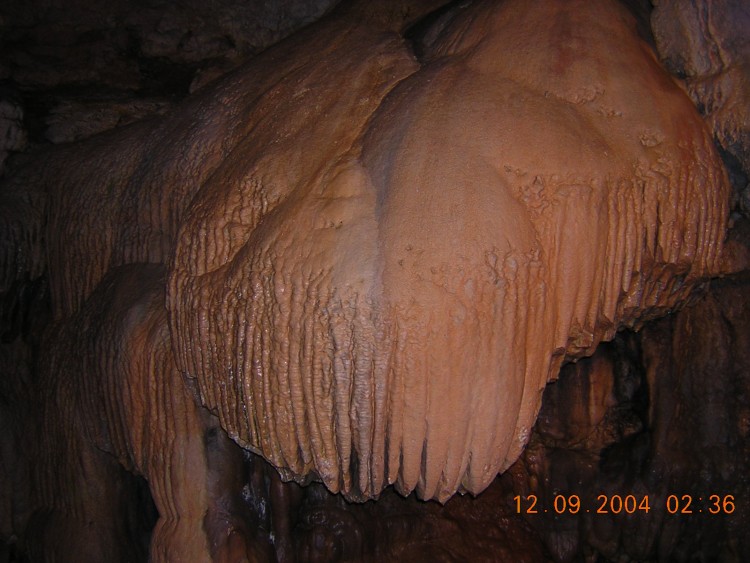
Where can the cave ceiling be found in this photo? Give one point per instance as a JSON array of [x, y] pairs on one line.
[[171, 172]]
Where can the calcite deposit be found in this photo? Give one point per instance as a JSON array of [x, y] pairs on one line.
[[282, 295]]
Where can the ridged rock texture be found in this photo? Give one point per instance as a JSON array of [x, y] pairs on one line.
[[707, 45], [376, 285], [658, 413], [122, 404], [362, 255]]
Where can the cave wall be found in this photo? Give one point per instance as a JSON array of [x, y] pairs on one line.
[[72, 69], [658, 412]]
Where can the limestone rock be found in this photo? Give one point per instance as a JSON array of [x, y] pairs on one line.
[[72, 120], [707, 44]]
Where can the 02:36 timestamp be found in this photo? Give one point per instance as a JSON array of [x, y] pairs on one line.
[[627, 504]]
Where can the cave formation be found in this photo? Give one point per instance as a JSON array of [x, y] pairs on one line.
[[639, 451]]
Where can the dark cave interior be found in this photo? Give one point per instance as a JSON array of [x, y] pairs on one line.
[[640, 452]]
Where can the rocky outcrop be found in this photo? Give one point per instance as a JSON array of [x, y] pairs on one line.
[[390, 302], [87, 67], [706, 45], [659, 413]]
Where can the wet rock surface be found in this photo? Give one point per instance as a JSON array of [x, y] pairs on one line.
[[649, 435], [707, 46], [657, 414], [660, 414]]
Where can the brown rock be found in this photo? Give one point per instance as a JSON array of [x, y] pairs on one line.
[[509, 203], [72, 120], [707, 44]]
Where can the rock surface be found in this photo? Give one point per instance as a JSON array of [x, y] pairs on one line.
[[125, 52], [658, 412], [707, 45], [392, 300]]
